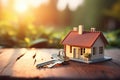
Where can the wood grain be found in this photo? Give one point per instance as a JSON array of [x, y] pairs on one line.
[[21, 63]]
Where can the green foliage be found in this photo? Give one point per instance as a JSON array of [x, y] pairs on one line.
[[114, 11], [57, 36], [87, 55], [33, 35], [9, 36], [113, 38]]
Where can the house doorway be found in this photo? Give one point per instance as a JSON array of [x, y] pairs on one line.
[[79, 53], [74, 53]]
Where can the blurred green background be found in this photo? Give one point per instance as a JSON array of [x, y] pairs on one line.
[[44, 23]]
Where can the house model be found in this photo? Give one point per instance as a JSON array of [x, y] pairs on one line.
[[85, 46]]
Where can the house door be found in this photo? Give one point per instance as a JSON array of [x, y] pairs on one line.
[[74, 53], [79, 53]]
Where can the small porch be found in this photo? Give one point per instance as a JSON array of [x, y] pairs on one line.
[[80, 53]]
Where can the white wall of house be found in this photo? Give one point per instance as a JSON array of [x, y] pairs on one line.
[[99, 43], [68, 54]]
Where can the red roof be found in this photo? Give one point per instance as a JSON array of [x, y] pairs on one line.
[[86, 39]]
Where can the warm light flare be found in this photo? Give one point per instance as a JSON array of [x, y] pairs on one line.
[[21, 5]]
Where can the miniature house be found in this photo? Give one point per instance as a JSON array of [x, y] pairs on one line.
[[85, 46]]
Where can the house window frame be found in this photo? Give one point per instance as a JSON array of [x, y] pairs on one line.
[[82, 51], [101, 51], [70, 49], [94, 50]]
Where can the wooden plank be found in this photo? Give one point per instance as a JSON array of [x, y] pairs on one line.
[[22, 63], [115, 54], [28, 64], [98, 70], [7, 60]]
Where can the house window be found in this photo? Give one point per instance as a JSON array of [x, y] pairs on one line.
[[94, 50], [70, 49], [100, 50], [82, 51]]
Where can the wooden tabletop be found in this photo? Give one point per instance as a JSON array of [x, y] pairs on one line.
[[21, 64]]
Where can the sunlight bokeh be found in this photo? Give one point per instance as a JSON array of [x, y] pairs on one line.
[[21, 5], [72, 4], [4, 2], [37, 3]]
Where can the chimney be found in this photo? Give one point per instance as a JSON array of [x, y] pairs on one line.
[[74, 28], [80, 30], [93, 29]]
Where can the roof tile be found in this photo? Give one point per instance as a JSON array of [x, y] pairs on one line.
[[86, 39]]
